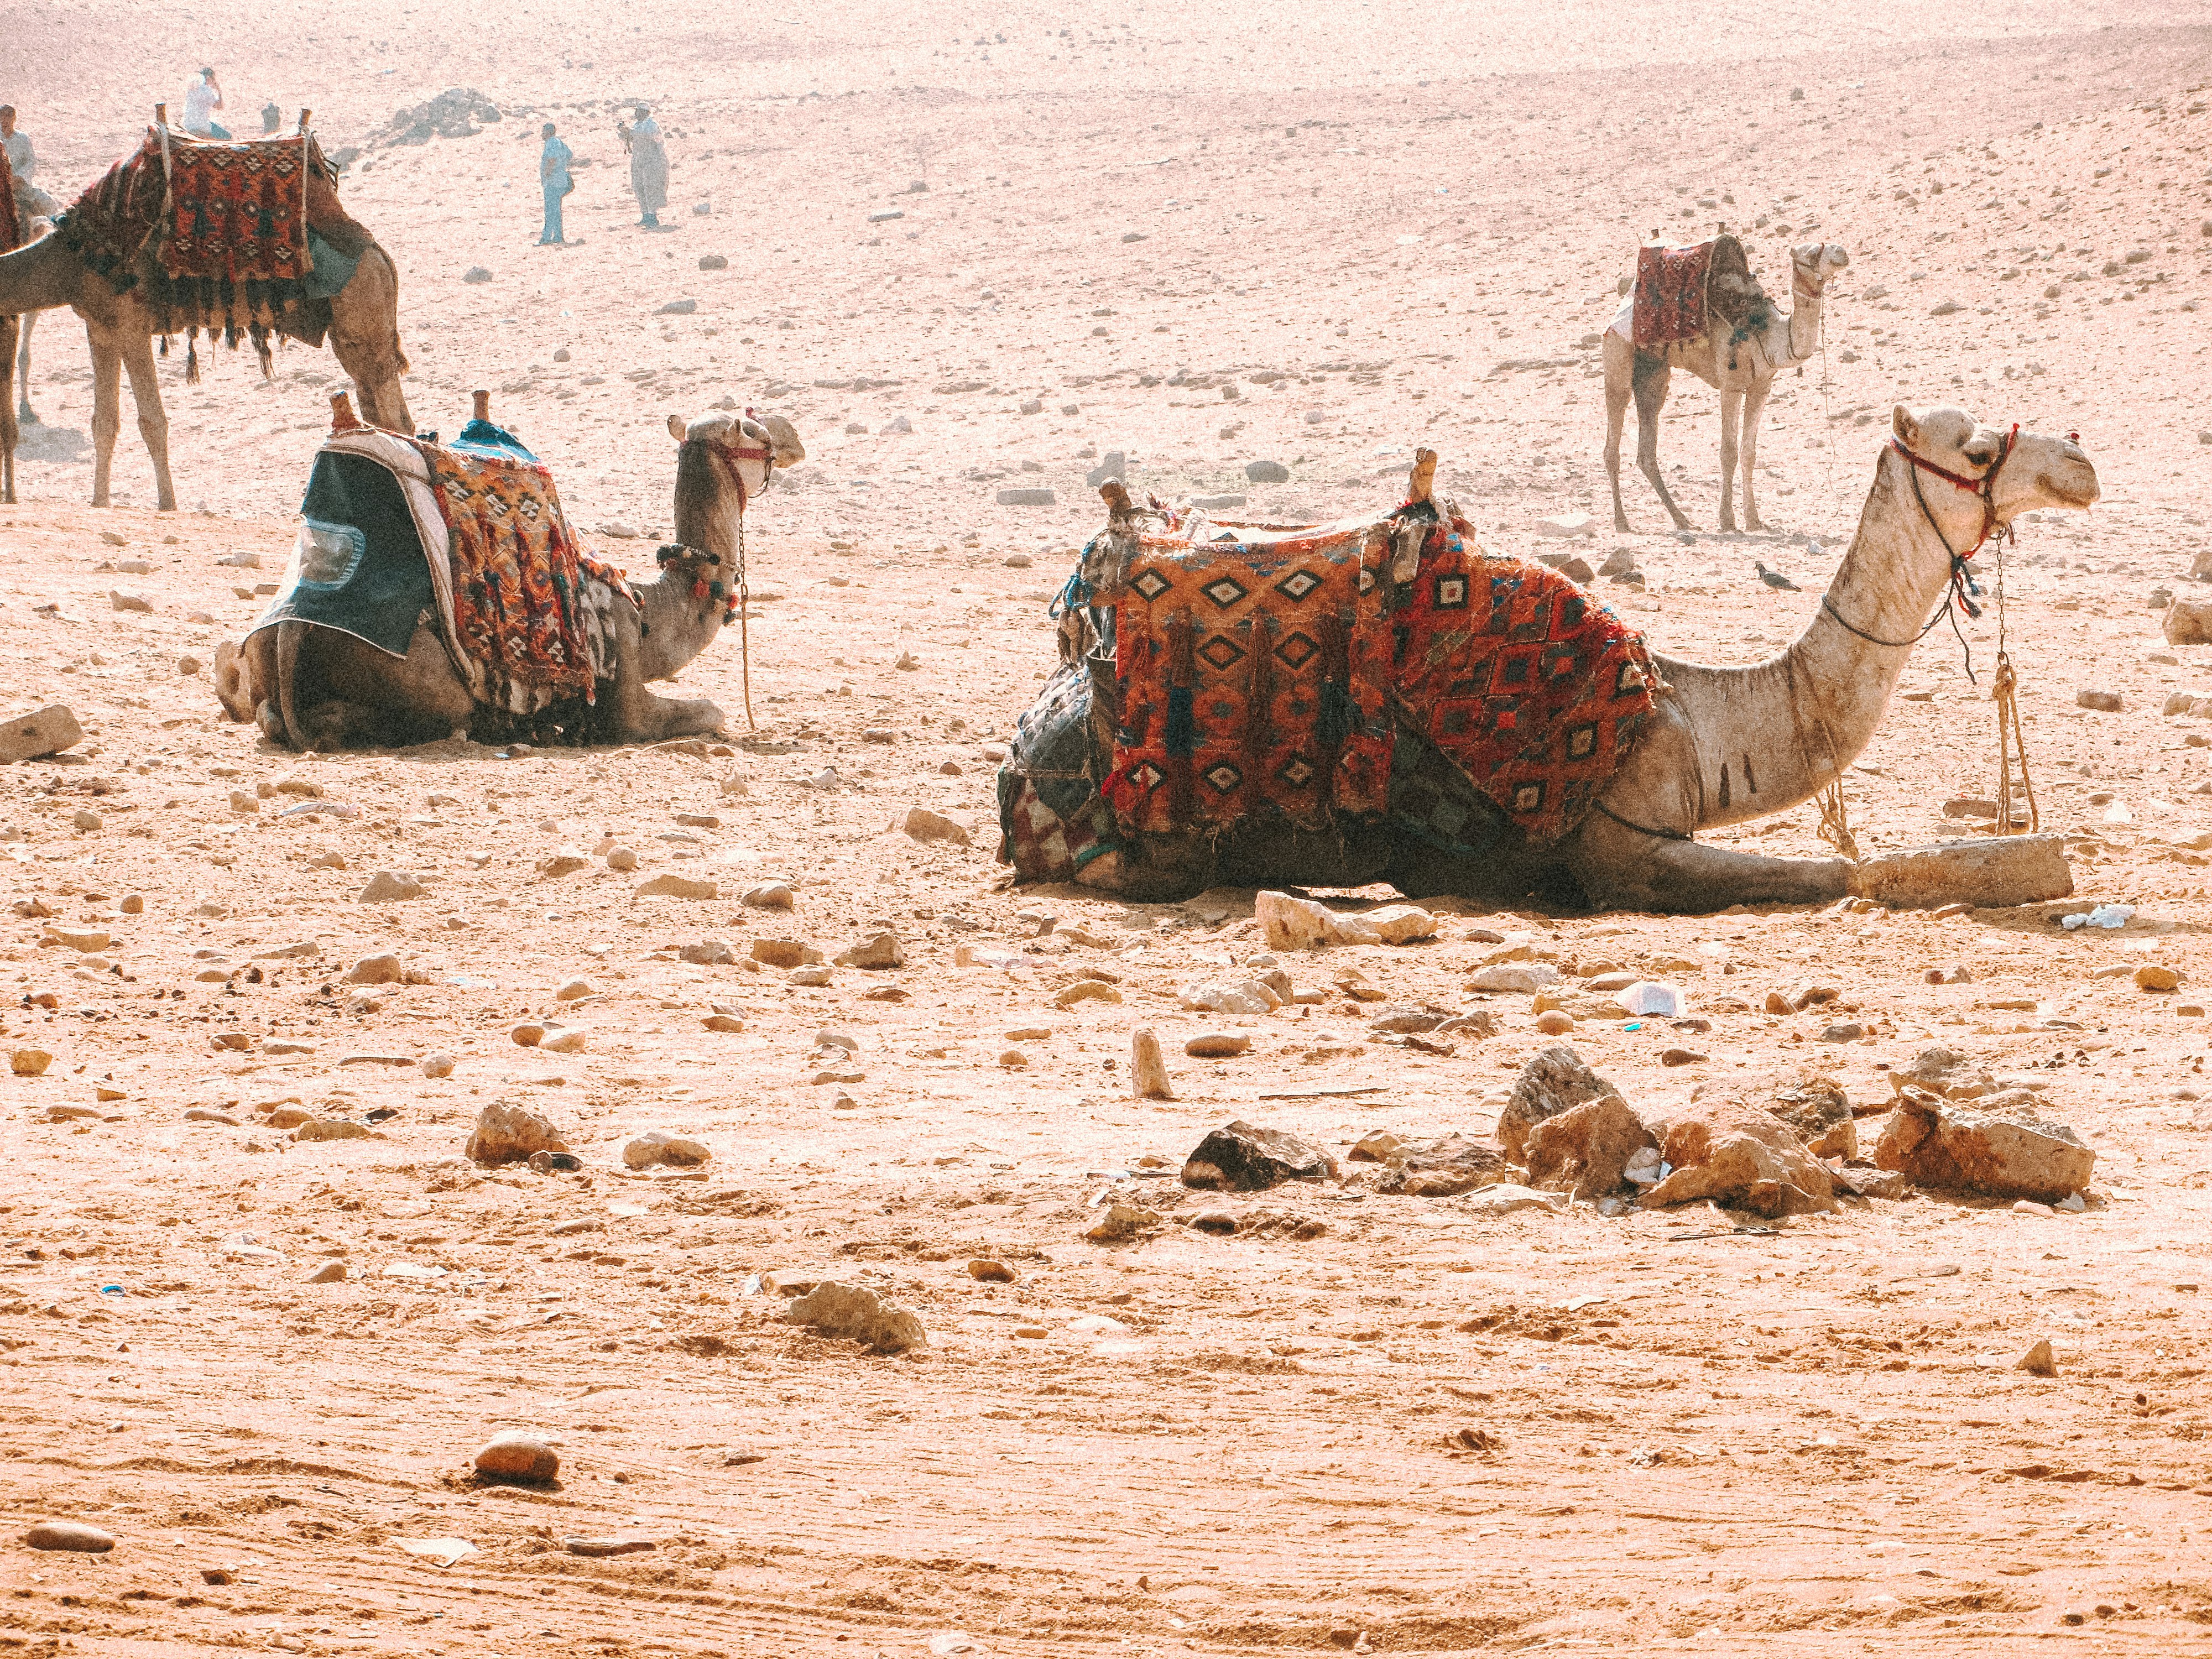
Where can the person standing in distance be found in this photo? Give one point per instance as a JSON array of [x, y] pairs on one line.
[[649, 166], [201, 102], [553, 174]]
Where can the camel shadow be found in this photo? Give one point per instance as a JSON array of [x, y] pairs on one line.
[[65, 445]]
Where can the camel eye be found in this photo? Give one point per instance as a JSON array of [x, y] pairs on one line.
[[1981, 454]]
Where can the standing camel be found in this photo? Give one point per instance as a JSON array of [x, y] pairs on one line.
[[1740, 362], [125, 310]]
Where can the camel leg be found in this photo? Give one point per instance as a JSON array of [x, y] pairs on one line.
[[1625, 869], [24, 371], [1731, 415], [106, 410], [1618, 372], [9, 327], [647, 719], [1755, 406], [1649, 388], [153, 419]]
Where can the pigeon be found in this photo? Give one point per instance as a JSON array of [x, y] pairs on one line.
[[1774, 579]]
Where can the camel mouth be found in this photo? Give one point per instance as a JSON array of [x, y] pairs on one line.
[[2077, 495]]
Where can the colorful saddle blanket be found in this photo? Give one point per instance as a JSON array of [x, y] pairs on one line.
[[1680, 290], [238, 213], [397, 531], [1269, 668], [11, 220]]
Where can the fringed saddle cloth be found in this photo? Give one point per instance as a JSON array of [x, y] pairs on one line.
[[1263, 667], [1680, 290], [229, 226], [527, 614], [11, 220]]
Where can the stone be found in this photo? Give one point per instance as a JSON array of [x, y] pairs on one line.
[[2104, 702], [507, 1133], [1249, 998], [436, 1064], [1567, 526], [566, 862], [123, 599], [1555, 1022], [1401, 1018], [877, 952], [1401, 924], [1737, 1153], [1805, 1098], [46, 731], [1296, 924], [1646, 998], [722, 1022], [2157, 976], [69, 1536], [1584, 1151], [622, 858], [330, 1272], [1027, 496], [569, 1042], [1996, 1151], [85, 819], [1515, 978], [677, 308], [925, 825], [2037, 1361], [1123, 1224], [784, 953], [1014, 1059], [1552, 1080], [708, 953], [1505, 1197], [674, 1150], [1085, 990], [575, 990], [989, 1272], [29, 1062], [1243, 1157], [1218, 1045], [813, 975], [389, 887], [385, 969], [527, 1035], [2188, 622], [676, 886], [772, 896], [205, 1115], [1989, 872], [1443, 1167], [1266, 472], [1148, 1070], [600, 1548], [475, 274], [857, 1314], [518, 1454], [331, 1129], [287, 1117]]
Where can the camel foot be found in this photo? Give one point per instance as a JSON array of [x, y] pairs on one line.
[[1621, 523], [1755, 524], [231, 690]]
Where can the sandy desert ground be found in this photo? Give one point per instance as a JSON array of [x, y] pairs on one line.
[[1375, 1422]]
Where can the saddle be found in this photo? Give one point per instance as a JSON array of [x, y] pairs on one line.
[[1681, 291], [11, 218]]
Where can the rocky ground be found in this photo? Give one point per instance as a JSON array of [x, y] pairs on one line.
[[1367, 1410]]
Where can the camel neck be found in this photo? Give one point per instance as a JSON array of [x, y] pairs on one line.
[[39, 277], [1802, 333], [1773, 733], [678, 623]]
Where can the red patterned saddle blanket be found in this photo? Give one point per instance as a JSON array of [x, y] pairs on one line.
[[11, 220], [1680, 290], [238, 212], [1266, 667]]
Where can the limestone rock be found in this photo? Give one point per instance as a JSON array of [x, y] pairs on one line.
[[1085, 990], [569, 1042], [2157, 976], [849, 1310], [1124, 1223], [69, 1536], [1299, 924], [925, 825], [1243, 1157], [1266, 472], [1585, 1150], [1401, 924], [29, 1062], [1553, 1080], [506, 1133], [1217, 1045], [772, 896], [785, 953], [331, 1129], [1739, 1154], [675, 886], [385, 969], [389, 887], [46, 731], [878, 950], [2038, 1361], [330, 1272], [1444, 1167], [1993, 872], [674, 1150], [518, 1454], [2007, 1152], [1806, 1098], [1515, 978], [1148, 1071], [2188, 622], [708, 953], [1505, 1197], [1252, 997]]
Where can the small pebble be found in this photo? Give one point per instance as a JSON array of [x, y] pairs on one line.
[[1014, 1059], [439, 1064], [69, 1535], [621, 858], [518, 1454], [529, 1034], [576, 990], [990, 1272], [1557, 1022]]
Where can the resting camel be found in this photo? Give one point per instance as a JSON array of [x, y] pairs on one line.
[[360, 320], [314, 688], [1740, 362], [1723, 746]]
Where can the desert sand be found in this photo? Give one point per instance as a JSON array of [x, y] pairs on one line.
[[1204, 236]]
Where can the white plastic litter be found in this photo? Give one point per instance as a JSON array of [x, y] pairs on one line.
[[2105, 916], [1649, 997]]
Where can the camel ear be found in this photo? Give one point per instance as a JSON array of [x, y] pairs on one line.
[[1907, 428], [676, 428]]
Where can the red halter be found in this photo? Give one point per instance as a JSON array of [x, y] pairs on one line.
[[1985, 487]]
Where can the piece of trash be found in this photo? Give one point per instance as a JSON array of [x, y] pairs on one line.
[[112, 1290], [1649, 997], [444, 1551], [2105, 916], [954, 1641], [1575, 1302]]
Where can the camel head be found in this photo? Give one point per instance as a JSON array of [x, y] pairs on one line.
[[722, 462], [2038, 471], [1816, 262]]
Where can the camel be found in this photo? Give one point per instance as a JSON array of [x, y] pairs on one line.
[[1725, 746], [1740, 362], [361, 322], [314, 688], [12, 328]]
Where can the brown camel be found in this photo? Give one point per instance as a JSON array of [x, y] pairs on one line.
[[361, 322], [1739, 361], [317, 687]]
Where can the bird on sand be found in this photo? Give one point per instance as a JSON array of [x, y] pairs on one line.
[[1774, 579]]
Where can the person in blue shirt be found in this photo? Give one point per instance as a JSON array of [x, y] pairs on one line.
[[553, 174]]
